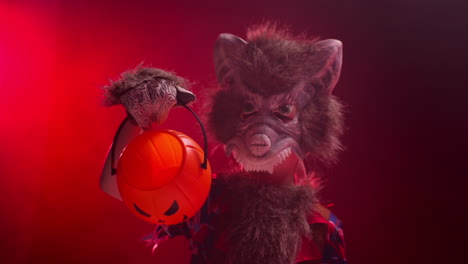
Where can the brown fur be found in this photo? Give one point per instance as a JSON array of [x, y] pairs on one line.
[[134, 78], [273, 61], [321, 126], [269, 221], [224, 117]]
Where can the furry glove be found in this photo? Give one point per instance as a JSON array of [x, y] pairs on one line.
[[148, 94]]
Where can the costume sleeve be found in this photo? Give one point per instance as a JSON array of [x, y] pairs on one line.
[[334, 249], [162, 233]]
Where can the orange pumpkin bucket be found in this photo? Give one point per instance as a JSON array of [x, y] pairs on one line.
[[160, 178]]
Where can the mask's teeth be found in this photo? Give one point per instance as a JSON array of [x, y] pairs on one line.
[[270, 170], [282, 157], [246, 165], [287, 152], [258, 168], [238, 159]]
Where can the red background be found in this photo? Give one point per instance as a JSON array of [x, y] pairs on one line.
[[398, 187]]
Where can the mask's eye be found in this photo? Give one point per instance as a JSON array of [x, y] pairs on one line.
[[286, 112], [248, 110]]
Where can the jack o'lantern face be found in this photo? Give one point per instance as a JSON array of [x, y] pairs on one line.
[[160, 178], [171, 211], [164, 205]]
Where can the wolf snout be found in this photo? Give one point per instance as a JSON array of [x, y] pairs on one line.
[[259, 144]]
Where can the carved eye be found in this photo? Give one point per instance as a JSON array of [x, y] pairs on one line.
[[286, 112], [248, 110]]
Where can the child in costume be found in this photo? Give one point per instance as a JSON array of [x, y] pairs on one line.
[[276, 116]]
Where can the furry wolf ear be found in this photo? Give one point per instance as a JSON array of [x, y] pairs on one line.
[[227, 48], [327, 61]]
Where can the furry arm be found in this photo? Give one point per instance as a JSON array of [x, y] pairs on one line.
[[148, 94]]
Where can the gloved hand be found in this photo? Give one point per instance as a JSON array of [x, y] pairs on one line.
[[148, 94]]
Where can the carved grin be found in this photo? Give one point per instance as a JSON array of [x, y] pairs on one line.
[[174, 208]]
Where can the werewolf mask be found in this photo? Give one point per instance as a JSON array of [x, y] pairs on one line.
[[274, 111]]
